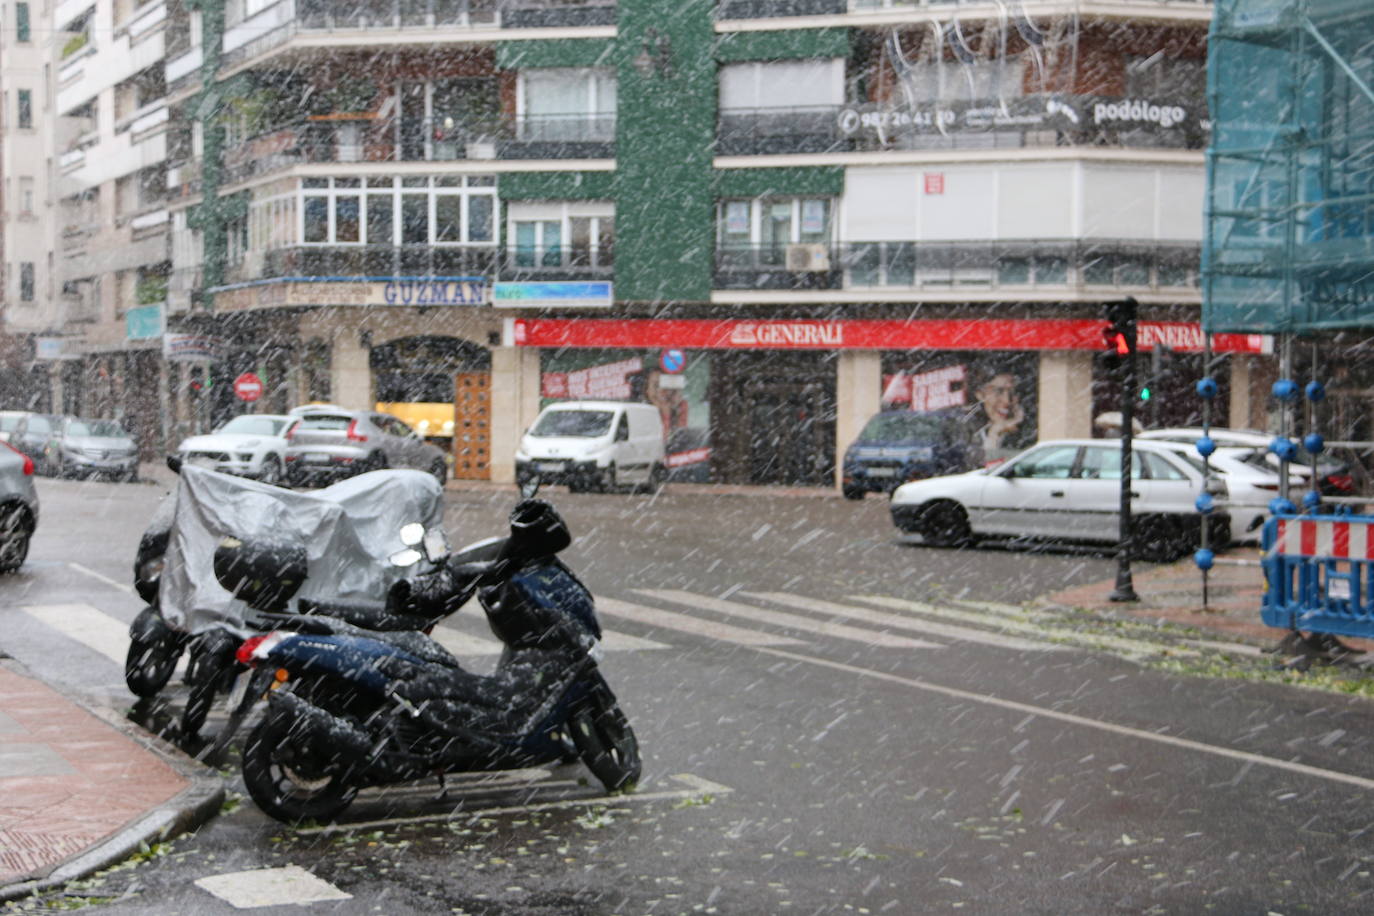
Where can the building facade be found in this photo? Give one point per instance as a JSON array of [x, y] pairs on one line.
[[773, 219]]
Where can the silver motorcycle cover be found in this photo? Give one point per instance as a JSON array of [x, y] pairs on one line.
[[349, 529]]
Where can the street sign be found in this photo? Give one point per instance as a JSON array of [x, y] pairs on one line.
[[248, 387], [672, 361]]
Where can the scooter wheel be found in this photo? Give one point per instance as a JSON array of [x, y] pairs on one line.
[[605, 741], [149, 665], [290, 781]]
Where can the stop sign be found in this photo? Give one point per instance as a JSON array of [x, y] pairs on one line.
[[248, 387]]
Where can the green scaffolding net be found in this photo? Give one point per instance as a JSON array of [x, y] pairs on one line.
[[1289, 229]]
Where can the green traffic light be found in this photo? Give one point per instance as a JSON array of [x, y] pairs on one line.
[[1144, 394]]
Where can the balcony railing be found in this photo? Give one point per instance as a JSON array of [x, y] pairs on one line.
[[381, 261], [395, 14], [770, 9], [1079, 265], [365, 139], [1026, 121], [538, 14]]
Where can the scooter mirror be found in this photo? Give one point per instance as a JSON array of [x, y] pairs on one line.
[[436, 545], [407, 557], [529, 487], [412, 534]]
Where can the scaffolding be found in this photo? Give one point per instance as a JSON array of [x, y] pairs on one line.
[[1289, 227]]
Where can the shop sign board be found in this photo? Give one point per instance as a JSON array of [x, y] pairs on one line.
[[885, 123], [143, 322], [444, 291], [804, 334], [191, 347], [573, 294], [52, 348]]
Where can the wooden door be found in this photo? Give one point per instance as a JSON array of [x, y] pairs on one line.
[[472, 426]]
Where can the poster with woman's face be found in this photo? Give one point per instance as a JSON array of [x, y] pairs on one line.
[[995, 393]]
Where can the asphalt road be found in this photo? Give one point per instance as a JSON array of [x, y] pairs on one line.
[[833, 721]]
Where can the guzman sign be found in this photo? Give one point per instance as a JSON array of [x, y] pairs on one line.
[[306, 291]]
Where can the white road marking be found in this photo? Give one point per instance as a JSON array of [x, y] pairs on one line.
[[1097, 724], [128, 589], [868, 615], [790, 621], [624, 642], [247, 890], [697, 787], [1131, 647], [671, 620], [91, 627], [460, 643]]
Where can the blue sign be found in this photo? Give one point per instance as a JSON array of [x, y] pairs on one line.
[[672, 361], [589, 293], [143, 322]]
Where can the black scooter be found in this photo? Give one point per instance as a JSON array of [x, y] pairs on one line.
[[350, 708]]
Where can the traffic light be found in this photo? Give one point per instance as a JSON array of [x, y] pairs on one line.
[[195, 384], [1119, 335], [1145, 393]]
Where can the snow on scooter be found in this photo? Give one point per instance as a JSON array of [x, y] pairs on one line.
[[350, 708]]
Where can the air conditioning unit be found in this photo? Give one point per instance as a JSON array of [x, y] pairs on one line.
[[808, 256]]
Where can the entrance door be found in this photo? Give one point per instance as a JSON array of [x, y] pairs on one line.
[[472, 426]]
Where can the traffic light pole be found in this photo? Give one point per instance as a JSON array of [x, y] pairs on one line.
[[1124, 318]]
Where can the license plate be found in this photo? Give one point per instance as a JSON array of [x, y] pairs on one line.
[[1338, 589], [316, 458], [881, 472], [550, 465]]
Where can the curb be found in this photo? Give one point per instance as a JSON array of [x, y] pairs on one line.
[[185, 812]]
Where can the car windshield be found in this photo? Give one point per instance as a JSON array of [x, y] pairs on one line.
[[8, 423], [102, 429], [326, 421], [578, 423], [249, 425], [905, 426]]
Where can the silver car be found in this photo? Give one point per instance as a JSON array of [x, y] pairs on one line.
[[331, 443], [88, 448], [18, 507]]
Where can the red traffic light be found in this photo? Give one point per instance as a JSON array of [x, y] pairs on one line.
[[1123, 348]]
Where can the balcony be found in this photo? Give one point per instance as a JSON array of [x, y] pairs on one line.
[[539, 14], [379, 261], [345, 138], [1014, 266], [1025, 122], [332, 15], [770, 9]]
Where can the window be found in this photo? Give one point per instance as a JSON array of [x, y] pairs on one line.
[[440, 211], [21, 22], [769, 225], [782, 84], [1052, 463], [26, 281], [578, 234], [567, 104], [25, 108], [26, 196]]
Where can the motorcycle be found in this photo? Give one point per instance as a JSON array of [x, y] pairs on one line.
[[329, 552], [349, 708]]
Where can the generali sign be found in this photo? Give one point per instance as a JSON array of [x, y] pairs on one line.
[[989, 334]]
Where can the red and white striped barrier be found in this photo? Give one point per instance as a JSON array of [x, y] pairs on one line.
[[1298, 537]]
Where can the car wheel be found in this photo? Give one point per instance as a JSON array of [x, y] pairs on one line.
[[440, 470], [658, 475], [14, 539], [609, 483], [1160, 539], [374, 462], [271, 471], [945, 524], [852, 492]]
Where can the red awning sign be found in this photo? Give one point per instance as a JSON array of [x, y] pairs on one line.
[[809, 334]]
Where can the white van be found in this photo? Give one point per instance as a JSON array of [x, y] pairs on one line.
[[594, 445]]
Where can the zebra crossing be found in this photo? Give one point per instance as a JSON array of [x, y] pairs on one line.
[[659, 620]]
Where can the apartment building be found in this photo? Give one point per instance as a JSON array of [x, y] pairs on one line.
[[28, 317], [770, 217]]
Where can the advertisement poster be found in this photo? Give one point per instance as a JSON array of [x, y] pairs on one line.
[[993, 393], [679, 392]]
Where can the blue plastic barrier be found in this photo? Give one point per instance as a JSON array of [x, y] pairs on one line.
[[1319, 574]]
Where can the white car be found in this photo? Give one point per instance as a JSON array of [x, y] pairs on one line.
[[1069, 490], [251, 445], [1250, 484]]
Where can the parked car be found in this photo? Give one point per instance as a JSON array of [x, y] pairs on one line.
[[602, 445], [688, 455], [330, 443], [32, 435], [9, 419], [250, 445], [1336, 469], [81, 447], [1250, 486], [896, 446], [1068, 490], [18, 507]]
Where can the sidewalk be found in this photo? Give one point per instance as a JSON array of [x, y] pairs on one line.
[[1174, 594], [81, 790]]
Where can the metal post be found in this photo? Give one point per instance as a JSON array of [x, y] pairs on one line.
[[1125, 589], [1203, 534]]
